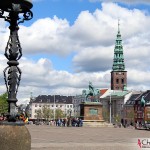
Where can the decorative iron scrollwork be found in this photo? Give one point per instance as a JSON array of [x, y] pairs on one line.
[[26, 16], [13, 52]]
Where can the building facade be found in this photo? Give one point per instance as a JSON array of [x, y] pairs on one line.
[[53, 102], [128, 109], [113, 102], [139, 108]]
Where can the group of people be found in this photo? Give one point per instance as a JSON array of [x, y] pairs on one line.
[[74, 122], [126, 123], [62, 122]]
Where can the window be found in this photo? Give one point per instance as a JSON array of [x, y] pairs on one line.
[[139, 108], [56, 105], [40, 105], [117, 81], [52, 105], [35, 105], [67, 106], [122, 81], [70, 106]]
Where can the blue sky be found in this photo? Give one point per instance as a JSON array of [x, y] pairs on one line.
[[68, 9], [71, 42]]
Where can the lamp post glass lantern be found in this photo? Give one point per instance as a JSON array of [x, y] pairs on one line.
[[17, 12]]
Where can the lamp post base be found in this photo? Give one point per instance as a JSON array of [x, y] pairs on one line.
[[14, 136]]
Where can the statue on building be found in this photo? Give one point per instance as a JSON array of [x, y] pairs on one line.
[[92, 94], [142, 101]]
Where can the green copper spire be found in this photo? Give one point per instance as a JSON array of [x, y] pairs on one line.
[[118, 62]]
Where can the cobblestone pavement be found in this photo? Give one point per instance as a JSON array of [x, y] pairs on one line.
[[45, 137]]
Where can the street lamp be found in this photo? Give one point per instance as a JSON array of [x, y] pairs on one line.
[[16, 135], [13, 50]]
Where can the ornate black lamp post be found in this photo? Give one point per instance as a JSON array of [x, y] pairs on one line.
[[14, 132], [13, 51]]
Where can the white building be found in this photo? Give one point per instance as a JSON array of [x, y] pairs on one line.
[[53, 102]]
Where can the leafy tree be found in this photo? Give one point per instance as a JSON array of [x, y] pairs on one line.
[[39, 114], [47, 112], [117, 118], [59, 113], [130, 115], [105, 114], [3, 103]]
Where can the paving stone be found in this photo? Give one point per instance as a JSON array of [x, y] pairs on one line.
[[44, 137]]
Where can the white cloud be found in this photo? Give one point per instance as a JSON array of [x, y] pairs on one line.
[[94, 59], [45, 35]]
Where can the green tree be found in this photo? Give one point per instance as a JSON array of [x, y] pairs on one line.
[[39, 114], [130, 115], [117, 118], [59, 113], [105, 114], [47, 113], [3, 103]]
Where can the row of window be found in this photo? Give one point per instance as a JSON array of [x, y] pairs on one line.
[[138, 108], [68, 106], [121, 81], [67, 111], [118, 88], [139, 115]]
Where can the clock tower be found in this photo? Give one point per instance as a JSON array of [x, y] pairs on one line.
[[118, 73]]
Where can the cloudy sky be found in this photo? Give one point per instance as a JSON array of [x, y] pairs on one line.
[[71, 42]]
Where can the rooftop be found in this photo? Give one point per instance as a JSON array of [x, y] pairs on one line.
[[132, 99], [53, 98], [145, 95]]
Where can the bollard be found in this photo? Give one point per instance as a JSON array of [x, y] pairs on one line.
[[14, 136]]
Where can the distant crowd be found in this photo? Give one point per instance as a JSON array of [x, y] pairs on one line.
[[61, 122]]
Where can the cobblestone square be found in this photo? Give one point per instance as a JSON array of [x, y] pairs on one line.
[[45, 137]]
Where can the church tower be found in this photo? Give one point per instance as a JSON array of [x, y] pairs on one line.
[[118, 73]]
